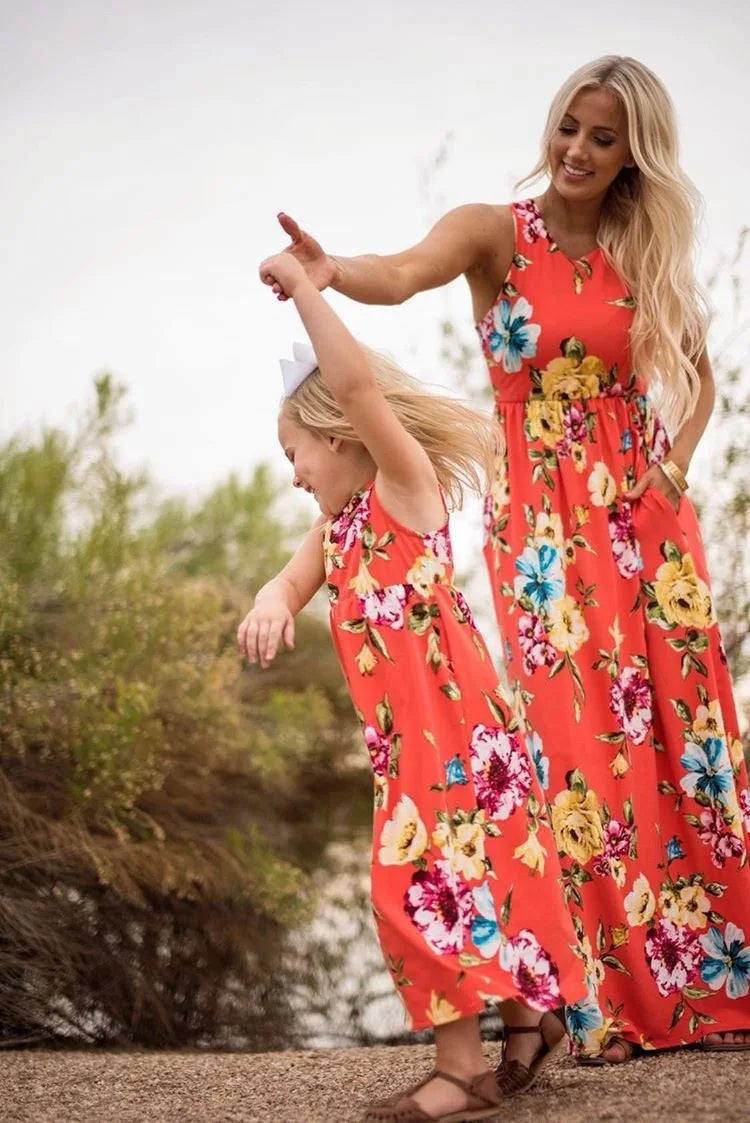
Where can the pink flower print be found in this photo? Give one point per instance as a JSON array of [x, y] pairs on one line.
[[536, 649], [440, 906], [574, 423], [347, 528], [533, 224], [673, 955], [617, 839], [502, 777], [625, 548], [386, 606], [724, 844], [630, 702], [744, 798], [534, 973], [379, 748], [438, 545]]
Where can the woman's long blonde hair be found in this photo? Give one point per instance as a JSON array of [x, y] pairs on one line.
[[648, 227], [461, 443]]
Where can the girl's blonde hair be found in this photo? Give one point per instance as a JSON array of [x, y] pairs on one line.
[[462, 444], [648, 229]]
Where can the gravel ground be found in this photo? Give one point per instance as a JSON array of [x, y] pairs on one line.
[[333, 1086]]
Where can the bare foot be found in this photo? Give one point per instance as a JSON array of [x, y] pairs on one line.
[[617, 1051], [729, 1037]]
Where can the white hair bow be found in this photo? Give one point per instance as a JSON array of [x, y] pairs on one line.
[[295, 371]]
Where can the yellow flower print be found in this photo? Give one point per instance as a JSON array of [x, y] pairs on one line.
[[426, 572], [568, 631], [532, 853], [687, 906], [364, 582], [593, 966], [404, 837], [578, 456], [365, 660], [684, 599], [736, 752], [709, 721], [549, 529], [640, 903], [440, 1010], [602, 486], [577, 824], [545, 422], [568, 378], [463, 846]]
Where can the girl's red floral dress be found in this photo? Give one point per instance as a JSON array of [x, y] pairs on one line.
[[611, 636], [466, 885]]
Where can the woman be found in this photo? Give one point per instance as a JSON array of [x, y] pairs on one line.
[[584, 299]]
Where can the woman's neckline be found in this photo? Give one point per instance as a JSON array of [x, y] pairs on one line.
[[548, 237]]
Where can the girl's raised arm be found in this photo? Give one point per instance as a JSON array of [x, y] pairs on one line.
[[403, 465]]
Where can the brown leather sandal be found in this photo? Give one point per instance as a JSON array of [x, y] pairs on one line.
[[482, 1094], [596, 1060], [514, 1076]]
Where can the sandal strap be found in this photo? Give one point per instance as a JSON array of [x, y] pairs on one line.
[[472, 1087], [508, 1030]]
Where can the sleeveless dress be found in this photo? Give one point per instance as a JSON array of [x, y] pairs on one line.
[[466, 888], [610, 636]]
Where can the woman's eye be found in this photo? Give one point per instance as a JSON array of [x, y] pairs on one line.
[[567, 129], [604, 142]]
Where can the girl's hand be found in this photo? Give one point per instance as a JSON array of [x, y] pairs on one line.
[[284, 273], [654, 477], [320, 268], [264, 627]]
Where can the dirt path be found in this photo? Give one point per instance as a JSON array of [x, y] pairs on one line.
[[332, 1087]]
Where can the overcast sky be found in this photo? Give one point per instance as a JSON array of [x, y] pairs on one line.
[[147, 146]]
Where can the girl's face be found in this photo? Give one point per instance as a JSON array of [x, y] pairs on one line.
[[328, 468], [590, 147]]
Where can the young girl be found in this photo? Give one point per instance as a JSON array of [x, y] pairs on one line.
[[465, 880]]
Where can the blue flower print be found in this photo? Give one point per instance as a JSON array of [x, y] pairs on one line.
[[582, 1017], [541, 763], [727, 960], [485, 934], [513, 338], [455, 772], [709, 770], [626, 441], [540, 575], [674, 849]]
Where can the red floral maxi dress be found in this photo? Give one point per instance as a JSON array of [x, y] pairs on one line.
[[611, 639], [466, 887]]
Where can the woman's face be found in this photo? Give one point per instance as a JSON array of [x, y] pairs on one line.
[[590, 147]]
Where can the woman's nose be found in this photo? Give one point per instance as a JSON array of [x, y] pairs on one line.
[[296, 481]]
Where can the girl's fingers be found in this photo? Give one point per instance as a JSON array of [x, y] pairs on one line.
[[272, 643], [262, 641], [251, 641], [288, 633]]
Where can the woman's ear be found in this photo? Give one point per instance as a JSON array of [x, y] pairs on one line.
[[334, 443], [629, 163]]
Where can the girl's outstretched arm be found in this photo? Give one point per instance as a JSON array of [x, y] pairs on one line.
[[406, 475], [271, 619]]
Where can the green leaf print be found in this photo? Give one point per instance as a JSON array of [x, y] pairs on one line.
[[521, 262], [624, 302], [450, 689], [377, 642], [715, 888], [505, 910], [695, 992], [613, 962], [384, 715], [681, 709], [356, 627], [420, 617], [467, 960], [677, 1013], [573, 348], [670, 552], [577, 781]]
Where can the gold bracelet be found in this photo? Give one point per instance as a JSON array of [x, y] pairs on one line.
[[674, 475]]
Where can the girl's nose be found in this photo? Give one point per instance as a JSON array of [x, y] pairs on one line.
[[296, 481]]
